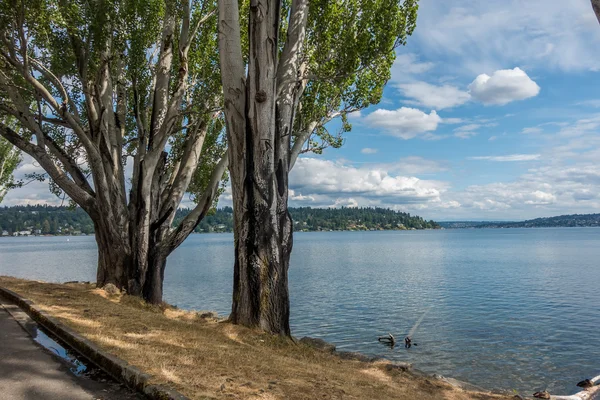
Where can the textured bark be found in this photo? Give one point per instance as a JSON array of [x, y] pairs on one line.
[[155, 275], [114, 259], [262, 255], [259, 112]]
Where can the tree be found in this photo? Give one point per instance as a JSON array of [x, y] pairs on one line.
[[596, 7], [119, 103], [46, 227], [9, 160], [299, 68]]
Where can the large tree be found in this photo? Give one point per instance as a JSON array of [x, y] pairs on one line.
[[9, 160], [298, 66], [118, 101]]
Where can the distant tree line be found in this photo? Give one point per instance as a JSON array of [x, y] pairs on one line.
[[45, 220], [52, 220], [346, 218], [573, 220]]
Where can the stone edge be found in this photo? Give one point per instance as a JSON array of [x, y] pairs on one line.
[[112, 365]]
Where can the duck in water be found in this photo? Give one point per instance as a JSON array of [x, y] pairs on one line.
[[407, 342]]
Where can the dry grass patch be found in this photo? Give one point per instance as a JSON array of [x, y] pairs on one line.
[[203, 358]]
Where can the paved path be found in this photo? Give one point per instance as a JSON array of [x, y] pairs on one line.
[[28, 371]]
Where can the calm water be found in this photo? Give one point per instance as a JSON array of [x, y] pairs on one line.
[[506, 308]]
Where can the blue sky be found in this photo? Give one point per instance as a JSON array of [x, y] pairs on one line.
[[493, 112]]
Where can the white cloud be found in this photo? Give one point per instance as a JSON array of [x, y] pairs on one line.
[[453, 121], [473, 128], [368, 150], [414, 166], [503, 86], [405, 123], [532, 130], [432, 96], [34, 192], [406, 65], [541, 198], [467, 131], [493, 138], [465, 134], [508, 158], [544, 191], [593, 103], [321, 183], [490, 204], [487, 35], [355, 115]]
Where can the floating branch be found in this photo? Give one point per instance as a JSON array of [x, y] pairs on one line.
[[389, 339]]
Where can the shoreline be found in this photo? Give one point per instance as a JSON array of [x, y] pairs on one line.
[[380, 373], [353, 230]]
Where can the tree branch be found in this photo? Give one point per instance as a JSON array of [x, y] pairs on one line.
[[233, 78], [163, 76], [187, 165], [301, 138], [78, 194], [205, 202]]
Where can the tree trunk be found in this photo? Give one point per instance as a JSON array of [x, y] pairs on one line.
[[155, 275], [262, 257], [259, 111], [114, 260], [155, 269], [116, 265]]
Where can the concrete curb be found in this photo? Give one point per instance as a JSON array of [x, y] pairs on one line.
[[114, 366]]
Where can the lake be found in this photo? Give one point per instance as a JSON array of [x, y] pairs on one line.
[[499, 308]]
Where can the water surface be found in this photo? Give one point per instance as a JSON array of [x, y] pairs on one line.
[[500, 308]]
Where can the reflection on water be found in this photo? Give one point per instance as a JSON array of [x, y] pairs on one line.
[[75, 366], [506, 308]]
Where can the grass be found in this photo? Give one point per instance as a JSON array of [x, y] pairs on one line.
[[206, 359]]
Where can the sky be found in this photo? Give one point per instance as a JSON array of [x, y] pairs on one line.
[[492, 113]]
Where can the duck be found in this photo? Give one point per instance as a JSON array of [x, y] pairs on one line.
[[586, 383], [542, 395]]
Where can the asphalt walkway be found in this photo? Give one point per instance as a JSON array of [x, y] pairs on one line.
[[28, 371]]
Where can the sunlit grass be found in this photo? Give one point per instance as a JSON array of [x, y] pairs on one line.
[[205, 358]]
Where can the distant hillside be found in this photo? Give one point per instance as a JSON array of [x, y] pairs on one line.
[[46, 220], [463, 224], [29, 220], [316, 219], [574, 220]]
